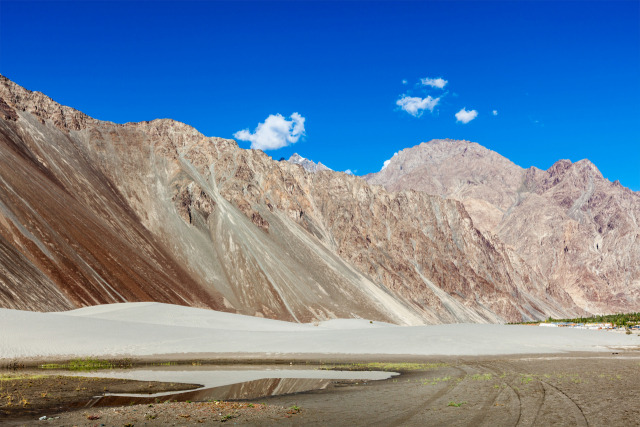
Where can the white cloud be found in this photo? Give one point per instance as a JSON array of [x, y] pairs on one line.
[[386, 162], [404, 81], [465, 116], [415, 105], [439, 82], [348, 172], [494, 112], [276, 132]]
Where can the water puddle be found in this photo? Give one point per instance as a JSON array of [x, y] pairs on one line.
[[225, 383]]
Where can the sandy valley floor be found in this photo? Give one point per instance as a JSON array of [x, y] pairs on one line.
[[145, 329]]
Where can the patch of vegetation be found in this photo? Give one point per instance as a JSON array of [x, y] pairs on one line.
[[227, 417], [293, 410], [482, 377], [89, 364], [619, 319], [12, 377], [456, 404], [435, 381], [526, 379]]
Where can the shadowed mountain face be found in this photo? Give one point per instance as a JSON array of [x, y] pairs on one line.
[[570, 224], [94, 212]]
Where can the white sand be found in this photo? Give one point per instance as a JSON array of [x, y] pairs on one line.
[[142, 329]]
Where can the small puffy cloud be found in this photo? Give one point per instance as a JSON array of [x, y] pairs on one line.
[[276, 132], [415, 105], [386, 162], [465, 116], [494, 112], [348, 172], [439, 82], [404, 81], [536, 122]]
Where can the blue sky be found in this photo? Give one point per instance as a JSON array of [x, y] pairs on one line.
[[564, 77]]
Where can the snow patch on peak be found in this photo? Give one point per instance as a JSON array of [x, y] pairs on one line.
[[309, 165], [296, 158]]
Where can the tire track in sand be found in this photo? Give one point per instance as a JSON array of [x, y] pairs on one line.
[[545, 391], [482, 415], [531, 404], [578, 413], [409, 414]]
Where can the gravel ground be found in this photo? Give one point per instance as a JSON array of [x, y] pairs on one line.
[[175, 413]]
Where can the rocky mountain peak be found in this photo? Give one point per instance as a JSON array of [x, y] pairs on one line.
[[434, 152], [559, 168], [586, 166], [307, 164], [580, 174], [487, 182]]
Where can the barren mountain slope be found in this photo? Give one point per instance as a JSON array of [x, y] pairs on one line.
[[569, 223], [69, 235], [99, 212]]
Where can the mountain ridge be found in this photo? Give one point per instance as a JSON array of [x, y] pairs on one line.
[[155, 211]]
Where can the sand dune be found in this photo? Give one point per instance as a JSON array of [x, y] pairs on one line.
[[142, 329]]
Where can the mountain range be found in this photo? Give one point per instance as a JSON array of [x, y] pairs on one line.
[[579, 230], [95, 212]]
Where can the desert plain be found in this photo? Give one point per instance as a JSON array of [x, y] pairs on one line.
[[246, 370]]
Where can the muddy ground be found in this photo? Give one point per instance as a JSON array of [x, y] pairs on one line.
[[30, 394], [589, 390]]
